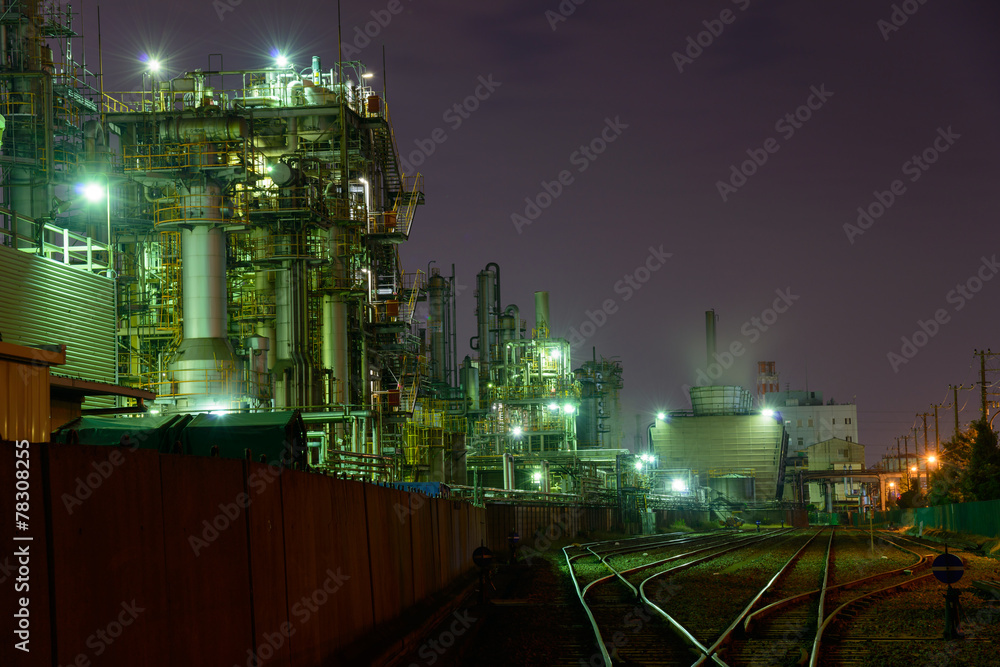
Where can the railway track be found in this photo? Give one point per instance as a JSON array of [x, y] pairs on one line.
[[790, 599], [625, 606]]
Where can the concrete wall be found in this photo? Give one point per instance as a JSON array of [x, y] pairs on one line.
[[142, 558]]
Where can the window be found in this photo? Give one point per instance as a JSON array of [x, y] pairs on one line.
[[833, 421], [800, 423], [843, 453], [847, 420], [810, 422], [800, 443], [849, 439]]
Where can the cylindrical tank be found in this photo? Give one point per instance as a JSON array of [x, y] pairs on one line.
[[317, 71], [470, 382], [542, 314], [508, 328], [335, 345], [435, 326], [720, 400], [485, 299], [204, 282]]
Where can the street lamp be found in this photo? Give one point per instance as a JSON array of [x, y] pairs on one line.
[[93, 192]]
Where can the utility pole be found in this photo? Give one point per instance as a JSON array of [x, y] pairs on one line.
[[954, 405], [937, 436], [982, 382], [906, 455], [927, 469]]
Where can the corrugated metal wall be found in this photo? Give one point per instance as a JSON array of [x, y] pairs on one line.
[[218, 562], [977, 518], [45, 303], [24, 402]]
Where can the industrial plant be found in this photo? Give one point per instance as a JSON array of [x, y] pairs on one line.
[[226, 242]]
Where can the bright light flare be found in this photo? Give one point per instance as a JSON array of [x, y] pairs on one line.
[[678, 486], [153, 65], [661, 416], [281, 60], [569, 409], [553, 406], [92, 192], [638, 465], [767, 412], [932, 459], [537, 477], [367, 75], [516, 431]]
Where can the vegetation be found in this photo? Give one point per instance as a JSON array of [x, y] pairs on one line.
[[969, 468]]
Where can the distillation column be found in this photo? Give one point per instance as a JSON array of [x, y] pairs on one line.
[[435, 324], [204, 365]]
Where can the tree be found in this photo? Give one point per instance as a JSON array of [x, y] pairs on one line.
[[968, 469], [982, 476]]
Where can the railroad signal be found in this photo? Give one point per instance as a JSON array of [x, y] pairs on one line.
[[948, 568], [482, 557]]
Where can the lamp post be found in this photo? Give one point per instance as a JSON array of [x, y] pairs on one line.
[[94, 192]]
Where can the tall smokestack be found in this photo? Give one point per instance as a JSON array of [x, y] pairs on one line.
[[710, 335], [542, 314]]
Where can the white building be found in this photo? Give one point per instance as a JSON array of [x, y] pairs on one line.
[[808, 421]]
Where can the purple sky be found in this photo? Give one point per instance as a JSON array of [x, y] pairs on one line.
[[656, 183]]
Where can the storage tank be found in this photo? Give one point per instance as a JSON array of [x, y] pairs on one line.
[[720, 400]]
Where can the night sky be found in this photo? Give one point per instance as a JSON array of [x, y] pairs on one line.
[[869, 86]]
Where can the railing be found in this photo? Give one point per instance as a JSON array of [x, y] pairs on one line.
[[79, 256], [562, 389], [172, 156], [405, 215], [14, 103]]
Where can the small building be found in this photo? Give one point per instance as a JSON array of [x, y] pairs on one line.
[[840, 455]]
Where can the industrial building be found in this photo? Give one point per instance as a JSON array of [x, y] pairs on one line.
[[724, 445], [227, 240], [807, 419], [836, 454]]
